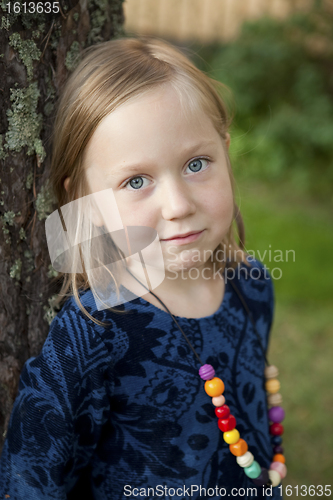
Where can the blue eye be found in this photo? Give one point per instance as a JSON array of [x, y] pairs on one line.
[[136, 183], [198, 164]]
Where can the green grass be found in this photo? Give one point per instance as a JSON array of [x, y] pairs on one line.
[[302, 335], [278, 219]]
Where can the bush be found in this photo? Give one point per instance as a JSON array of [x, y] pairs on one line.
[[281, 75]]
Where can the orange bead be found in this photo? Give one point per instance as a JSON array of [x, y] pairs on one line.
[[214, 387], [279, 458], [238, 449], [272, 385]]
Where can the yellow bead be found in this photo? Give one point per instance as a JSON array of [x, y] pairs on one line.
[[214, 387], [231, 437], [272, 385]]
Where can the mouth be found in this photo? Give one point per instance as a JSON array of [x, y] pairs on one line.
[[184, 238]]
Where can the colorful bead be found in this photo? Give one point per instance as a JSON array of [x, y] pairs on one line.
[[231, 437], [272, 386], [207, 372], [227, 424], [278, 457], [276, 440], [214, 387], [276, 429], [239, 448], [274, 477], [218, 400], [262, 479], [276, 414], [271, 372], [274, 399], [222, 411], [253, 471], [280, 468], [245, 460]]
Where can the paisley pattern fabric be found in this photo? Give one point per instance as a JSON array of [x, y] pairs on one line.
[[104, 410]]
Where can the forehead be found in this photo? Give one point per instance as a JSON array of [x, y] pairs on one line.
[[156, 122]]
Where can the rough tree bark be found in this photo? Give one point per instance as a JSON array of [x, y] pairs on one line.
[[37, 51]]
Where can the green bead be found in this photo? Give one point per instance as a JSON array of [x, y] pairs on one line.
[[253, 471]]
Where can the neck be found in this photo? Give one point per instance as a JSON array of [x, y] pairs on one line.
[[188, 297]]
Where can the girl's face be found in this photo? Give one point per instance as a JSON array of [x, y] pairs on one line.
[[168, 170]]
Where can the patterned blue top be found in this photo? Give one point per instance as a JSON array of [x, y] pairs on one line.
[[121, 412]]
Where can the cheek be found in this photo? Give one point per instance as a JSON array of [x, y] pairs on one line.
[[220, 206], [136, 214]]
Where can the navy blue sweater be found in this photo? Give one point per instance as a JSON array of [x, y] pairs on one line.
[[108, 412]]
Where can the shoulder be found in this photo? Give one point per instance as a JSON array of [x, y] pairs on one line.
[[75, 338], [107, 341], [254, 278], [255, 284]]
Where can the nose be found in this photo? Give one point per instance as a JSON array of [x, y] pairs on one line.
[[176, 200]]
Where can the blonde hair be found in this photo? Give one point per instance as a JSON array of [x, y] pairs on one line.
[[110, 74]]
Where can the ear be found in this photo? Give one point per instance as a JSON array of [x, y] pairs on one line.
[[227, 140], [66, 183]]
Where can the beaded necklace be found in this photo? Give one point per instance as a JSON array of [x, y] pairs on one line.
[[226, 422]]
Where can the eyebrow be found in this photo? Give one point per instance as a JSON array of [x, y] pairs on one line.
[[186, 151]]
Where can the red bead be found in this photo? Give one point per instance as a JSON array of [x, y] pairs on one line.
[[276, 429], [222, 411], [226, 424]]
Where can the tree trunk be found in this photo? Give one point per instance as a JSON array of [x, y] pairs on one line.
[[37, 52]]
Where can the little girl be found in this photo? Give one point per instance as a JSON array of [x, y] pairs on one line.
[[114, 406]]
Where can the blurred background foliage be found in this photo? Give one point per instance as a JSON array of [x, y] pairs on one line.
[[281, 76]]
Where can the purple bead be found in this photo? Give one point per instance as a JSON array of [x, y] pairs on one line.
[[276, 414], [262, 479], [207, 372], [278, 449]]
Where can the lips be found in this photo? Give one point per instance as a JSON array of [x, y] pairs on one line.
[[180, 236], [183, 239]]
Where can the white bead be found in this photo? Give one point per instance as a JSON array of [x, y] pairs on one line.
[[245, 460], [275, 477], [271, 372], [274, 399], [218, 400]]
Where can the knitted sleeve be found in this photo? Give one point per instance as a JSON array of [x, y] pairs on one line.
[[59, 412]]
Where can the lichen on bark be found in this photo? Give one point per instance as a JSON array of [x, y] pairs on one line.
[[72, 56], [45, 202], [24, 123], [15, 270], [51, 310], [27, 51]]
